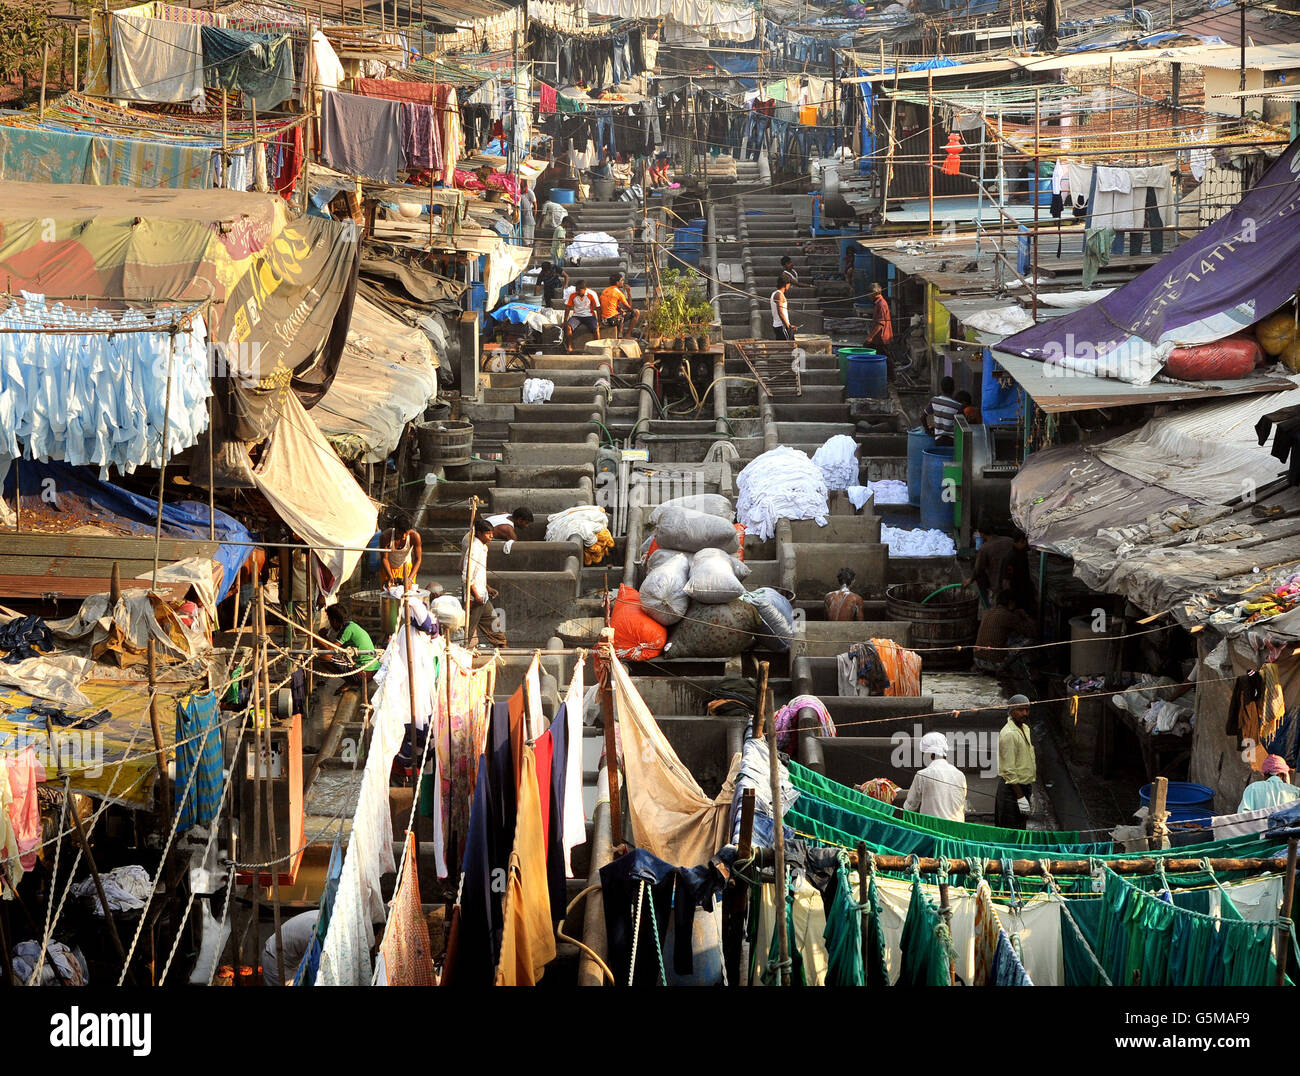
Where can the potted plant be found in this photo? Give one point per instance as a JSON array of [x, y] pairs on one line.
[[682, 317]]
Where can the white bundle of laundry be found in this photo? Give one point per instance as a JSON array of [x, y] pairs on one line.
[[838, 461], [581, 524], [587, 245], [538, 390], [917, 543], [781, 484]]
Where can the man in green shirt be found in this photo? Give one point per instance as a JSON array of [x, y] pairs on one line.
[[351, 636], [1017, 767]]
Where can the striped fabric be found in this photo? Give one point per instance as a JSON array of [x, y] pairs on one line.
[[197, 714], [944, 410]]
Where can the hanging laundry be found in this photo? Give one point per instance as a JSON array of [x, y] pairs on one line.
[[408, 957], [547, 105], [362, 136], [786, 717], [25, 773], [258, 65], [418, 123], [50, 384], [198, 751], [420, 93], [528, 939], [157, 60]]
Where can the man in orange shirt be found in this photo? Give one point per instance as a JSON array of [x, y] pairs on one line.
[[616, 307]]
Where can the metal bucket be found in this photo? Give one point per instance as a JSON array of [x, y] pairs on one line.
[[950, 619]]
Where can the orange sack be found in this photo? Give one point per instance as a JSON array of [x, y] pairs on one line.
[[637, 637]]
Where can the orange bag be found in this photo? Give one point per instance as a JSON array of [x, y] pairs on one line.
[[637, 636], [740, 534]]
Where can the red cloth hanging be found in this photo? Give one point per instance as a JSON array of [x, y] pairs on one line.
[[952, 163], [548, 99]]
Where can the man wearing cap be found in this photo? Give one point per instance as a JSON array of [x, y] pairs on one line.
[[1276, 790], [1017, 768], [939, 789]]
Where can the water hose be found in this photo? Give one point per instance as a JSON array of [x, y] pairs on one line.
[[941, 590]]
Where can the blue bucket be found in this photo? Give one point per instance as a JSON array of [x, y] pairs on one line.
[[868, 376], [562, 195], [1182, 795], [936, 513], [918, 440]]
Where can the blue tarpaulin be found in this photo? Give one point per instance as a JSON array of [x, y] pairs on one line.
[[52, 483], [515, 313]]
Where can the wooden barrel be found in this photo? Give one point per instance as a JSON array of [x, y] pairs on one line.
[[950, 619]]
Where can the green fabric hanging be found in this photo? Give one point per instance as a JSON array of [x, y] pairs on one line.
[[829, 791], [1080, 970], [877, 968], [843, 934], [1147, 940], [926, 944]]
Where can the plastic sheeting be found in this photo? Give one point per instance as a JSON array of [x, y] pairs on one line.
[[781, 484], [388, 375], [581, 524], [95, 398], [79, 491], [54, 677], [311, 490]]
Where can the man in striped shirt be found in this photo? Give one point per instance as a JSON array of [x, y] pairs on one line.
[[941, 412]]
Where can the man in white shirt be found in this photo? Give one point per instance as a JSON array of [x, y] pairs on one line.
[[481, 616], [581, 306], [939, 788], [781, 327]]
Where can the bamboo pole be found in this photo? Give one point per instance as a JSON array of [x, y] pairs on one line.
[[45, 65], [929, 143], [1284, 913], [261, 708], [778, 827], [109, 917], [160, 753], [410, 674], [611, 748], [268, 792], [862, 903], [1159, 815], [1033, 191]]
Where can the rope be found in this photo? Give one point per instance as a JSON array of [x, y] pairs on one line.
[[49, 904], [659, 953], [636, 930], [1069, 916]]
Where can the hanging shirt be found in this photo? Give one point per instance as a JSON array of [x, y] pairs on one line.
[[779, 315], [938, 790], [1016, 764], [1272, 792]]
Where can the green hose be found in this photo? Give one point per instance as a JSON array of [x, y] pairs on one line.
[[940, 591]]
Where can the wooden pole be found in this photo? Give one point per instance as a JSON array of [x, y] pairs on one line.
[[1241, 81], [162, 468], [1060, 867], [313, 620], [611, 748], [76, 60], [929, 142], [778, 827], [44, 69], [863, 881], [889, 154], [109, 917], [269, 792], [225, 140], [261, 708], [745, 848], [1159, 815], [1033, 192], [469, 549], [212, 480], [160, 753], [1284, 913], [410, 675]]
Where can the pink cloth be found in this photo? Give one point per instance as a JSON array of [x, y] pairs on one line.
[[787, 715], [25, 773], [548, 102], [1275, 764]]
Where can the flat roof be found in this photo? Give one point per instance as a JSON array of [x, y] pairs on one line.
[[1258, 57], [1056, 389]]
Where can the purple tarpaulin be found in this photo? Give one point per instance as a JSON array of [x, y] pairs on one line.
[[1234, 273]]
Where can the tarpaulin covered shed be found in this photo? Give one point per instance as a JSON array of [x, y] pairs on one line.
[[1234, 273], [280, 290]]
